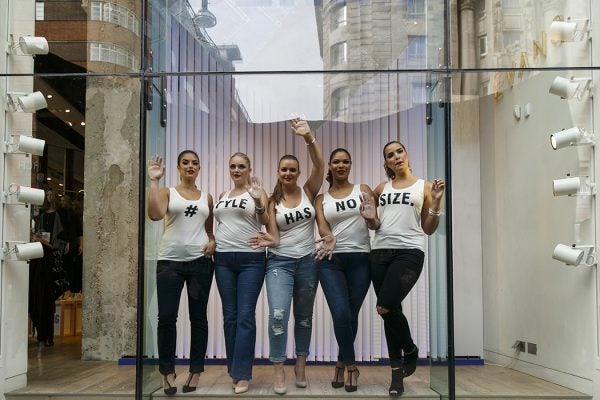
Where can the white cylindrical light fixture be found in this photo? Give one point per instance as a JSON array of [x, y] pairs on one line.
[[566, 186], [29, 251], [30, 195], [32, 102], [562, 31], [568, 254], [564, 138], [563, 87], [33, 45], [29, 144]]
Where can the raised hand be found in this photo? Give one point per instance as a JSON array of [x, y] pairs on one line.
[[325, 247], [367, 206], [300, 127], [262, 240], [156, 169], [254, 188], [437, 189]]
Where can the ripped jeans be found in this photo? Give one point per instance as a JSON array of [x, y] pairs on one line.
[[288, 278]]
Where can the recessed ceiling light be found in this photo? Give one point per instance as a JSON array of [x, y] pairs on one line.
[[49, 96], [70, 123], [67, 110], [82, 123], [60, 184], [48, 179]]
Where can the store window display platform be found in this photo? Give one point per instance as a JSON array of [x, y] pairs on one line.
[[58, 373]]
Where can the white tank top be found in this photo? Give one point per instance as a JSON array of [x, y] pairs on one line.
[[237, 223], [296, 229], [400, 216], [348, 226], [185, 235]]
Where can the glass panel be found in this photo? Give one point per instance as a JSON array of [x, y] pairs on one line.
[[523, 34], [516, 200], [218, 115], [279, 35]]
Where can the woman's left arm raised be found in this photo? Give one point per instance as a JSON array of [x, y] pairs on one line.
[[430, 213]]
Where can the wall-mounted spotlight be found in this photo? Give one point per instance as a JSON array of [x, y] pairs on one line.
[[571, 137], [26, 144], [29, 45], [29, 103], [568, 31], [575, 255], [23, 251], [573, 186], [569, 88], [25, 194]]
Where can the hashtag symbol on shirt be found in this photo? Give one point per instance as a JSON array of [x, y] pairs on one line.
[[190, 211]]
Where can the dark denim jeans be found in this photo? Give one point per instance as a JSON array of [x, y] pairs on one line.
[[345, 282], [170, 277], [394, 272], [240, 277], [288, 278]]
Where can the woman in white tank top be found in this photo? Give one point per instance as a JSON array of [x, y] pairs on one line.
[[291, 270], [409, 209], [185, 256], [240, 269], [344, 269]]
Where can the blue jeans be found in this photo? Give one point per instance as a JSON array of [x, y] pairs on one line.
[[239, 277], [170, 277], [288, 278], [345, 282]]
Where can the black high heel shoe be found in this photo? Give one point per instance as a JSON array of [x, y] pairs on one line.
[[410, 361], [167, 387], [186, 387], [338, 377], [397, 386], [353, 375]]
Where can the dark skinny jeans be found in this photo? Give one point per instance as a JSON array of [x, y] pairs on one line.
[[394, 272], [170, 277]]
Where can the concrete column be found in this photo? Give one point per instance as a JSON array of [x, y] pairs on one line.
[[110, 218], [469, 47]]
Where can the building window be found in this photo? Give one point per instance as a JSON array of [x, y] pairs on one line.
[[416, 46], [339, 16], [511, 38], [39, 11], [111, 53], [482, 45], [512, 5], [480, 9], [339, 101], [416, 9], [115, 14], [339, 53]]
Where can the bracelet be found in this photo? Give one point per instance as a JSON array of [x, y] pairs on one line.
[[259, 210], [435, 213], [314, 138]]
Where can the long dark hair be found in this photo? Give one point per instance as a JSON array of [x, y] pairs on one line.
[[388, 171], [278, 189], [329, 176], [184, 152]]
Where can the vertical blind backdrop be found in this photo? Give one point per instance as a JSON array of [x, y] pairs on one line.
[[204, 114]]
